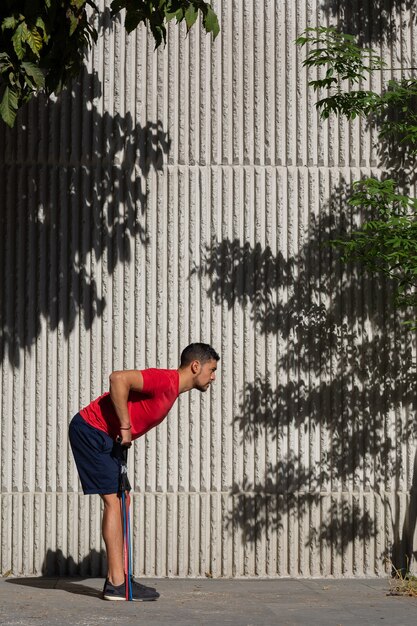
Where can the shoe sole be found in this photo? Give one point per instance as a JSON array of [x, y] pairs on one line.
[[133, 599]]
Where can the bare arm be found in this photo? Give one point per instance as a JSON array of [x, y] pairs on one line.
[[121, 383]]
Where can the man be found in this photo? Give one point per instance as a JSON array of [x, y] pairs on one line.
[[137, 401]]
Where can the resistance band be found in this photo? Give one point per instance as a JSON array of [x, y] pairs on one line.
[[124, 494]]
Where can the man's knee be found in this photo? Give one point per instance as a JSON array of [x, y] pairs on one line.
[[111, 500]]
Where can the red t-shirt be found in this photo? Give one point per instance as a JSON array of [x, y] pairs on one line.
[[147, 408]]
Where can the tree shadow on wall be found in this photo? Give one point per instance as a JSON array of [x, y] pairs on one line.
[[372, 22], [74, 196], [338, 406], [396, 150], [404, 553]]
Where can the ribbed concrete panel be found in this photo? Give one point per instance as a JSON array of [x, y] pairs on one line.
[[191, 194]]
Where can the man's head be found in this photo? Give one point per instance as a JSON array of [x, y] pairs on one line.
[[201, 360]]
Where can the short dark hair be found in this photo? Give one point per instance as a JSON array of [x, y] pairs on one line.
[[198, 352]]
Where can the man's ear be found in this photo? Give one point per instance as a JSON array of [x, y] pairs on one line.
[[195, 366]]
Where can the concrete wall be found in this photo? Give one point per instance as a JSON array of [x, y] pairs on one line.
[[189, 194]]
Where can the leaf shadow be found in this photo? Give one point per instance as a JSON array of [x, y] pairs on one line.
[[74, 203], [332, 411], [373, 22]]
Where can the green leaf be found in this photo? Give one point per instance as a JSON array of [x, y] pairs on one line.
[[5, 62], [34, 72], [40, 25], [132, 20], [9, 106], [159, 34], [191, 15], [178, 14], [34, 40], [18, 40], [211, 23], [73, 23], [9, 22]]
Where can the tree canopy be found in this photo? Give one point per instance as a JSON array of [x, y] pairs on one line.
[[43, 42], [386, 243]]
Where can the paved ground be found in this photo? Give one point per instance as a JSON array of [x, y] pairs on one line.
[[70, 602]]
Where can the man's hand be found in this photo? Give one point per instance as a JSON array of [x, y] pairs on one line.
[[125, 438]]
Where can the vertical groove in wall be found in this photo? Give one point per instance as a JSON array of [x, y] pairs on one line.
[[190, 194], [203, 480]]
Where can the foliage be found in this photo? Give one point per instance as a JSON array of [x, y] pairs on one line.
[[387, 241], [394, 111], [343, 60], [339, 53], [42, 42], [156, 13], [351, 104], [41, 48]]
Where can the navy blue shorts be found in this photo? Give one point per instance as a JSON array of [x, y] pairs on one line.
[[97, 457]]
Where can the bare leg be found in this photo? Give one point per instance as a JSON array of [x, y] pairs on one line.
[[113, 538]]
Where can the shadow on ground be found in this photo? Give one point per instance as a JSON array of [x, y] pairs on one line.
[[68, 585], [56, 567]]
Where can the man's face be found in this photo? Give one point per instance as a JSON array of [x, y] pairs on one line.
[[205, 374]]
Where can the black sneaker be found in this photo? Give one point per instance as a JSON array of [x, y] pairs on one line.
[[114, 592], [140, 593], [134, 581]]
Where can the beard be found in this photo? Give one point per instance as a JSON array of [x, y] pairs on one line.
[[202, 387]]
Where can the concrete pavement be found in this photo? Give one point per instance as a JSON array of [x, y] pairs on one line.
[[191, 602]]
